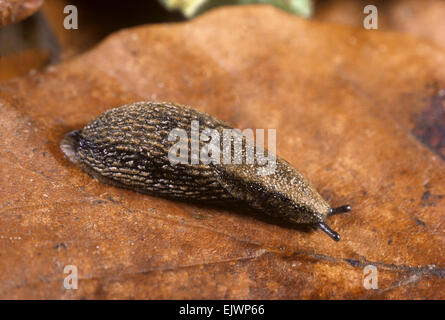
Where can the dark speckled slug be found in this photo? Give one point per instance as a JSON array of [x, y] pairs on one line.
[[129, 147]]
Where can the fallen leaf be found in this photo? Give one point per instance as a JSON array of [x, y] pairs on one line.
[[345, 103]]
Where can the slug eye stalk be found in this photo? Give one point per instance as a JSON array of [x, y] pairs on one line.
[[342, 209], [334, 235], [326, 229]]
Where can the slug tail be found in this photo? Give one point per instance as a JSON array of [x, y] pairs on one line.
[[69, 145]]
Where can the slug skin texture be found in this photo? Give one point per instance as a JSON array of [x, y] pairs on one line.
[[128, 147]]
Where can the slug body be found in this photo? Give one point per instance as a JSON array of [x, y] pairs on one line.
[[129, 147]]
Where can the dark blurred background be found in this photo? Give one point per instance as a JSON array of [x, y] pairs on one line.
[[40, 39]]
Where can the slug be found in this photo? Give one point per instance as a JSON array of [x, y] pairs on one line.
[[131, 147]]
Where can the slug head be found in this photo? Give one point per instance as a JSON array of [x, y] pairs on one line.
[[315, 210], [285, 194], [306, 204]]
